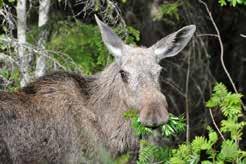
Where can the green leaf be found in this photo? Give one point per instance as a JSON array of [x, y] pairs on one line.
[[122, 159], [229, 151], [233, 127], [234, 3], [194, 159], [200, 143], [174, 126], [213, 137], [176, 160], [222, 2], [231, 105], [182, 153], [167, 10], [137, 127], [147, 151], [206, 162], [219, 92]]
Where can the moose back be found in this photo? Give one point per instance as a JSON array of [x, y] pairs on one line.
[[69, 119]]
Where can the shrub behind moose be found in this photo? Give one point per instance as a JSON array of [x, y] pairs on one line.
[[67, 118]]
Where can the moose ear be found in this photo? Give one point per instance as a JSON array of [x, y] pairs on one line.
[[110, 39], [172, 44]]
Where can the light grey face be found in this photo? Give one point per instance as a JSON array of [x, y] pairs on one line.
[[140, 67], [140, 71]]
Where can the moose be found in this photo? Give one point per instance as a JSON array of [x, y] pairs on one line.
[[66, 118]]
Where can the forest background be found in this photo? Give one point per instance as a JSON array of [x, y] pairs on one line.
[[38, 37]]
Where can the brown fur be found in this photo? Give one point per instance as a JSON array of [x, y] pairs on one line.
[[65, 118]]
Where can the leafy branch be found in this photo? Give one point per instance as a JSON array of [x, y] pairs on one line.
[[174, 125], [229, 151]]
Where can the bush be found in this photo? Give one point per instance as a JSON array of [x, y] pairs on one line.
[[148, 152], [213, 149]]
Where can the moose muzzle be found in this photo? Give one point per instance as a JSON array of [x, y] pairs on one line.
[[154, 111]]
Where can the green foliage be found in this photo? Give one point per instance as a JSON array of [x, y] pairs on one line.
[[180, 155], [230, 106], [12, 77], [233, 3], [212, 149], [174, 125], [229, 151], [168, 11], [84, 44], [133, 35], [137, 127], [148, 152], [123, 159], [6, 1]]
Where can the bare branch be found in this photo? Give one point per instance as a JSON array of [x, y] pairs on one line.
[[44, 7], [221, 45], [215, 125], [213, 35], [40, 51], [7, 58], [242, 35], [221, 49]]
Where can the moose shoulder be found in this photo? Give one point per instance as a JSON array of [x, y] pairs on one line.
[[67, 118]]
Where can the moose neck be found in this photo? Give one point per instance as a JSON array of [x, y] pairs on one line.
[[106, 103], [105, 96]]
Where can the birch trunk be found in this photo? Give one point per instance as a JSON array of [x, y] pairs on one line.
[[44, 6], [21, 36]]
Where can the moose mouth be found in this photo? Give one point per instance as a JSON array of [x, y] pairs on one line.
[[150, 126], [153, 121], [153, 127]]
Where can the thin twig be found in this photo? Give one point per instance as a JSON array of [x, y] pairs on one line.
[[242, 35], [14, 43], [215, 125], [221, 60], [7, 58], [213, 35], [173, 85], [187, 111], [221, 45]]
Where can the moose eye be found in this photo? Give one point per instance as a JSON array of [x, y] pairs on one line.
[[124, 75]]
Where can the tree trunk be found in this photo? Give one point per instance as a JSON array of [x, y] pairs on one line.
[[21, 36], [44, 6]]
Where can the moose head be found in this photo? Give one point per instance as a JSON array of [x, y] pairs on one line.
[[139, 71]]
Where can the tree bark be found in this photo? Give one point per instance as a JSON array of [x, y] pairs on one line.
[[44, 6], [21, 36]]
